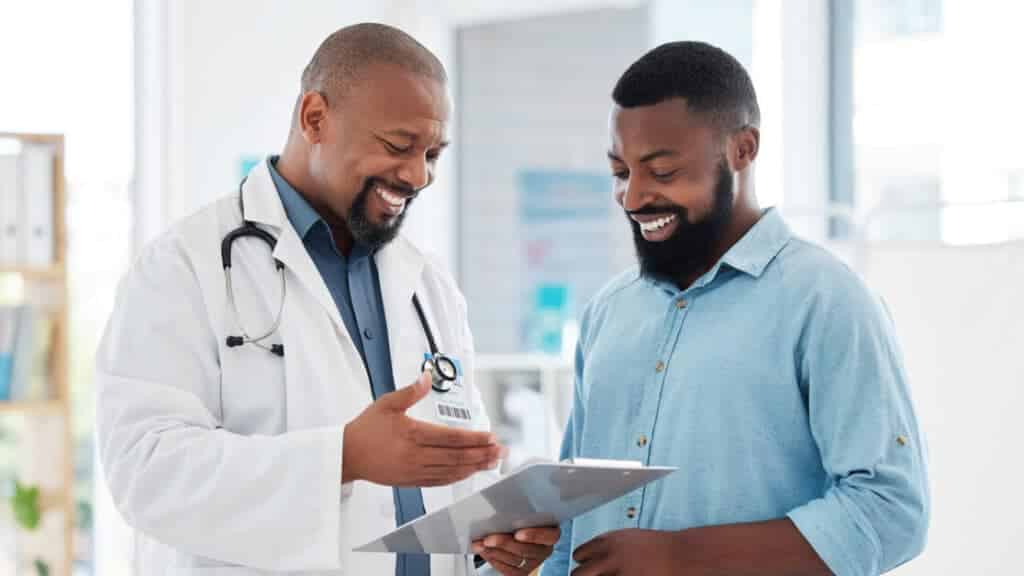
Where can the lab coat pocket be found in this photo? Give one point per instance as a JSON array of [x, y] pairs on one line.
[[253, 391]]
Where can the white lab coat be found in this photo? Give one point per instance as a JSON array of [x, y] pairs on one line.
[[227, 461]]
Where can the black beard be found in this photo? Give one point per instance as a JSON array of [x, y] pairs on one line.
[[688, 251], [371, 235]]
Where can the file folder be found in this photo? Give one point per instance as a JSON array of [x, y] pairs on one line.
[[10, 191], [37, 186]]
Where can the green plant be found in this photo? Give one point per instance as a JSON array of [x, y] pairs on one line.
[[27, 513], [25, 503]]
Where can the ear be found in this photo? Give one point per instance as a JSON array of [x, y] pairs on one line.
[[312, 116], [742, 148]]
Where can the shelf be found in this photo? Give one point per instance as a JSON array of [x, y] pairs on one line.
[[525, 362], [31, 407], [55, 272]]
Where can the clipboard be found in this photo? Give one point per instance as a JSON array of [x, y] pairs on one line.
[[539, 494]]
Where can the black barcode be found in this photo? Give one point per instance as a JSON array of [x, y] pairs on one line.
[[453, 412]]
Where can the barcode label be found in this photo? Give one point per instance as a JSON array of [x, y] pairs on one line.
[[453, 412]]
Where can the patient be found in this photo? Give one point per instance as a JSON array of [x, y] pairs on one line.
[[753, 360]]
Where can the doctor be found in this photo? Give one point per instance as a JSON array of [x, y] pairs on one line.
[[248, 416]]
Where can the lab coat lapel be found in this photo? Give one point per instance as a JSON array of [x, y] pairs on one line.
[[400, 267], [263, 206]]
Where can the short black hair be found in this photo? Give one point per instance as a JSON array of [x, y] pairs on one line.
[[342, 57], [712, 82]]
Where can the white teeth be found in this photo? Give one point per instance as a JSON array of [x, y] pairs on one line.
[[656, 224], [392, 199]]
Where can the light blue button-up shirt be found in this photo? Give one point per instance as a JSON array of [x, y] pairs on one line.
[[775, 384]]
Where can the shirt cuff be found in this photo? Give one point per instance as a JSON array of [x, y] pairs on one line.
[[829, 527]]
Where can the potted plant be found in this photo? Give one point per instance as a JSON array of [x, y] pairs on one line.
[[27, 514]]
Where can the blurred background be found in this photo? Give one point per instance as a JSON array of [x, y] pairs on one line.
[[890, 134]]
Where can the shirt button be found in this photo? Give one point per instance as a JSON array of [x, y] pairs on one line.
[[631, 512], [681, 303], [901, 440], [641, 441], [659, 367], [368, 334]]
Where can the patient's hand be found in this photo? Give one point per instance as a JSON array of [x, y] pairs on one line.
[[520, 553]]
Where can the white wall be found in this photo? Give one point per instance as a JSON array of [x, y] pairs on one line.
[[960, 323]]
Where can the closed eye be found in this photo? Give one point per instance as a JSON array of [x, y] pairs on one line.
[[664, 176], [394, 148]]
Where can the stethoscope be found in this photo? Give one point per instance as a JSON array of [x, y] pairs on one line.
[[250, 230], [443, 370]]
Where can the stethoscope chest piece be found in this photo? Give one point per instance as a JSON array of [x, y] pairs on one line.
[[443, 372]]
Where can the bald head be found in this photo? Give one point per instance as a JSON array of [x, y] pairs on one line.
[[342, 59]]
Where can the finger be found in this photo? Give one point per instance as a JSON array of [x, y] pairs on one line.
[[446, 476], [405, 398], [507, 562], [444, 457], [507, 542], [547, 536], [426, 434], [531, 551], [597, 567], [595, 549]]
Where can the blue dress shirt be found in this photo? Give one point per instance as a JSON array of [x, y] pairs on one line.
[[775, 384], [355, 287]]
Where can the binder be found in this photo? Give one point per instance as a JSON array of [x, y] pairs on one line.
[[24, 354], [10, 190], [539, 494], [37, 188], [8, 328]]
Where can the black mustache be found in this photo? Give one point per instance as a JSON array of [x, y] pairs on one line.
[[406, 191], [651, 210]]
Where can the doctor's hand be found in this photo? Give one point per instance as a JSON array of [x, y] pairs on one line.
[[519, 553], [384, 446]]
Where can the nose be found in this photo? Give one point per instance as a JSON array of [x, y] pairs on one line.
[[416, 172], [631, 195]]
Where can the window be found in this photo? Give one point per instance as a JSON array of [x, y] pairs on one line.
[[925, 121]]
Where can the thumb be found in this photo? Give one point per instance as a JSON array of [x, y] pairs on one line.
[[402, 400]]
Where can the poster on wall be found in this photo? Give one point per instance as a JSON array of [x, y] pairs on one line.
[[564, 219]]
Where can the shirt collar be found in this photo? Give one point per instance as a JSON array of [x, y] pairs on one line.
[[757, 248], [751, 255], [301, 215]]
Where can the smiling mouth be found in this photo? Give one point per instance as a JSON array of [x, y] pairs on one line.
[[657, 224], [394, 201]]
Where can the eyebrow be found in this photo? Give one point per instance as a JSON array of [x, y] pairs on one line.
[[660, 153], [413, 136]]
